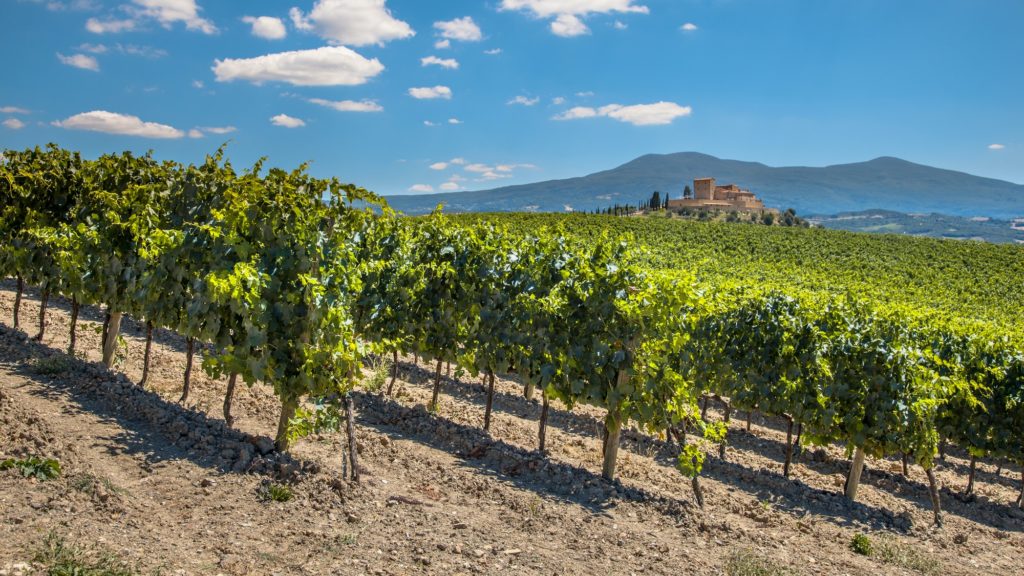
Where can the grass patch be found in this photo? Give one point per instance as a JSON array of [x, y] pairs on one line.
[[54, 365], [33, 467], [746, 563], [891, 552], [380, 370], [90, 484], [59, 558], [273, 492]]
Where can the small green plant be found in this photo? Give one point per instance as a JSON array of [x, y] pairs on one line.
[[380, 371], [746, 563], [50, 365], [325, 416], [90, 484], [33, 467], [273, 492], [59, 558], [862, 545]]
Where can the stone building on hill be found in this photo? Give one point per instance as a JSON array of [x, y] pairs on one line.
[[709, 196]]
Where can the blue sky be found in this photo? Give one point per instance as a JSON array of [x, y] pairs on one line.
[[402, 96]]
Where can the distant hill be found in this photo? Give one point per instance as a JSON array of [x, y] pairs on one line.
[[933, 225], [883, 183]]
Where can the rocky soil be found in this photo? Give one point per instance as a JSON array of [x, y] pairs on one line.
[[173, 490]]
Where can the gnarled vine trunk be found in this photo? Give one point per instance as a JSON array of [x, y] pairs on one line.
[[288, 407], [228, 398], [612, 430], [490, 400], [933, 491], [437, 387], [17, 299], [970, 476], [145, 358], [190, 344], [42, 316], [542, 433], [74, 322], [394, 371], [789, 445]]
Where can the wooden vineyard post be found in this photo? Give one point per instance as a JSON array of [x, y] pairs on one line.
[[17, 300], [352, 448], [110, 342], [146, 355], [490, 400], [542, 433], [74, 321], [437, 387], [789, 449], [190, 344], [394, 370], [853, 480], [42, 316]]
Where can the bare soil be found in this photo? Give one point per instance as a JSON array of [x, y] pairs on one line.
[[173, 490]]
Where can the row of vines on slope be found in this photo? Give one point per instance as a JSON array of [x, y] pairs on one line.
[[292, 280]]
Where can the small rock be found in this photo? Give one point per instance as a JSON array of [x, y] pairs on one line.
[[207, 482]]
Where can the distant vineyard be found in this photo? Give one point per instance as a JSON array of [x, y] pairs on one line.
[[885, 345]]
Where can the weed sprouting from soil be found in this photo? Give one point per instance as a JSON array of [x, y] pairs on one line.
[[747, 563], [60, 558]]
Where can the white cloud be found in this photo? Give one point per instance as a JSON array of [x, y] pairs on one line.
[[13, 124], [196, 133], [12, 110], [619, 25], [266, 27], [576, 113], [428, 123], [83, 61], [352, 22], [218, 129], [658, 113], [463, 29], [168, 12], [114, 123], [449, 63], [287, 121], [458, 161], [109, 26], [450, 186], [430, 93], [996, 146], [568, 14], [586, 94], [198, 84], [442, 44], [439, 166], [688, 27], [523, 100], [325, 66], [548, 8], [558, 100], [144, 51], [421, 188], [493, 51], [479, 168], [568, 25], [454, 121], [349, 105], [93, 48]]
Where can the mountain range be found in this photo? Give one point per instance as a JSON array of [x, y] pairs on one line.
[[883, 183]]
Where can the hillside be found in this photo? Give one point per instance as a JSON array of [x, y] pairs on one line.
[[934, 225], [885, 183]]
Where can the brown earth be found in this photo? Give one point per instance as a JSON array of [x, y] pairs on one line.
[[173, 490]]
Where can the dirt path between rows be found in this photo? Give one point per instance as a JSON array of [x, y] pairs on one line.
[[173, 490]]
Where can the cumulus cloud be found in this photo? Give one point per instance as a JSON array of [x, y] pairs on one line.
[[688, 27], [114, 123], [421, 188], [996, 146], [464, 29], [196, 133], [449, 63], [454, 121], [450, 186], [12, 110], [349, 105], [266, 27], [523, 100], [658, 113], [458, 161], [558, 100], [568, 14], [442, 44], [13, 124], [619, 25], [326, 66], [431, 92], [169, 12], [83, 61], [438, 165], [352, 22], [287, 121], [568, 25]]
